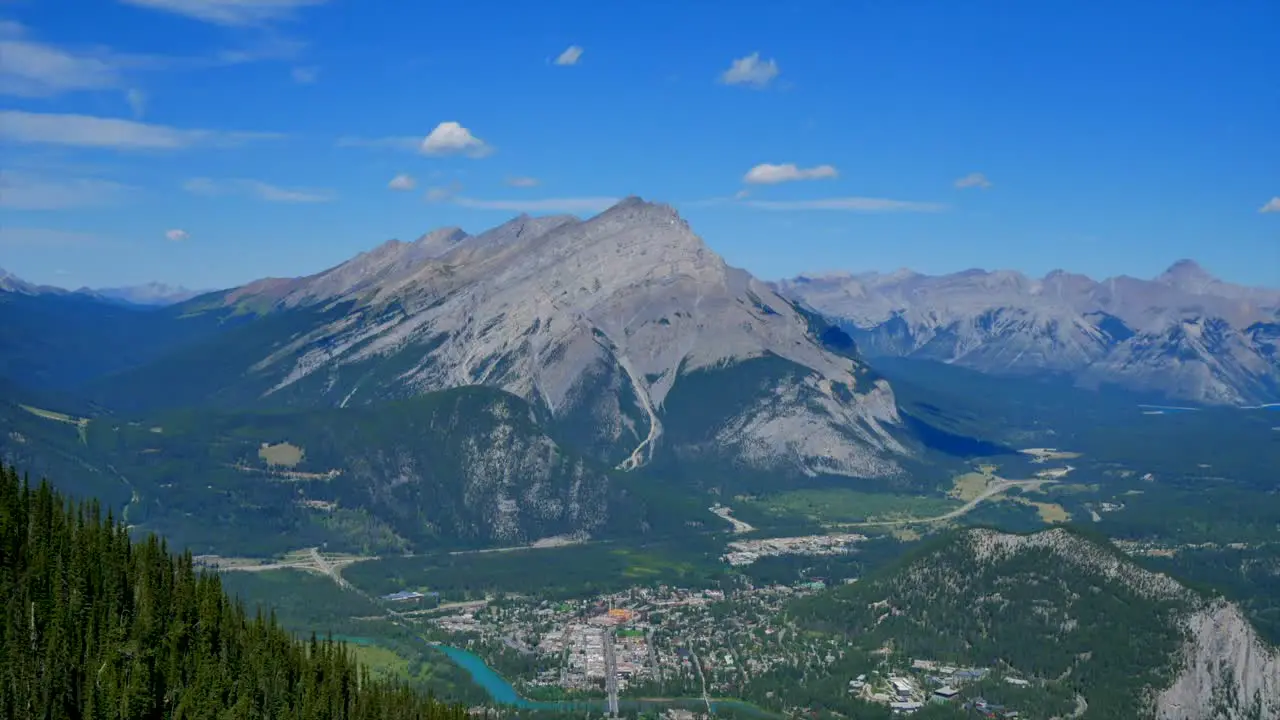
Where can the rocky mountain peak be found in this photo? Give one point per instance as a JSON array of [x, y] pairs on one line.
[[594, 321], [438, 242], [636, 209], [1188, 276], [152, 293], [11, 283]]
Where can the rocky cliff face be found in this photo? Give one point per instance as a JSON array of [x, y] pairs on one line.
[[595, 321], [1227, 673], [469, 466], [1184, 334]]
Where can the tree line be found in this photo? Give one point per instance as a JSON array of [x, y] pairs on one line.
[[96, 626]]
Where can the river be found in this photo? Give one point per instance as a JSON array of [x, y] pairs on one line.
[[503, 693]]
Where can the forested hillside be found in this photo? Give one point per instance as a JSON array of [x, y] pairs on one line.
[[1077, 622], [96, 626]]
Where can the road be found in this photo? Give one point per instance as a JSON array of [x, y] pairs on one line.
[[701, 678], [991, 490], [328, 569], [611, 673]]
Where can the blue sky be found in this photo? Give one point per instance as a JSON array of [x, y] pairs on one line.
[[211, 142]]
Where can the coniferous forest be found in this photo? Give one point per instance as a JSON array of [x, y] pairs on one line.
[[98, 627]]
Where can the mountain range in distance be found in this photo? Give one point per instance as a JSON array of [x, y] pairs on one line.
[[1184, 335], [147, 294]]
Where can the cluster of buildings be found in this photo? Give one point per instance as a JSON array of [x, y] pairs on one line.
[[745, 552], [929, 682], [668, 634], [582, 648]]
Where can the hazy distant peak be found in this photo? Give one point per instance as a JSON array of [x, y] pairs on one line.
[[152, 293], [12, 283], [1187, 275], [823, 275]]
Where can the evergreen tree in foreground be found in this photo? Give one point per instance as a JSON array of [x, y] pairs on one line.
[[96, 627]]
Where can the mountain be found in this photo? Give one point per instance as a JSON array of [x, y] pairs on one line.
[[151, 294], [54, 339], [13, 284], [1082, 624], [95, 626], [1184, 335], [624, 329]]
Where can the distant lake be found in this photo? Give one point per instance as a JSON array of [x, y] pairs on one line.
[[1166, 409], [503, 693]]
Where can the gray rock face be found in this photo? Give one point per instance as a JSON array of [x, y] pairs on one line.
[[595, 321], [1184, 334], [1227, 672]]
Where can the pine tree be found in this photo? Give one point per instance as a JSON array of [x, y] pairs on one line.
[[95, 627]]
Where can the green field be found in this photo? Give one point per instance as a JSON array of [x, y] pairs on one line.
[[838, 505]]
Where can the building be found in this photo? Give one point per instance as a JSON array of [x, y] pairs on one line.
[[946, 693]]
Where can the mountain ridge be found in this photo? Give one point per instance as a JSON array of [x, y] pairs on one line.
[[597, 321], [1184, 334]]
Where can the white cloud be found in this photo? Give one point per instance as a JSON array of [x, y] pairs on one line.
[[441, 194], [305, 75], [751, 71], [451, 138], [568, 205], [769, 174], [228, 12], [741, 194], [176, 235], [28, 191], [973, 180], [402, 182], [849, 204], [209, 187], [1272, 206], [204, 186], [32, 69], [137, 102], [522, 182], [88, 131], [570, 56], [42, 237], [273, 193]]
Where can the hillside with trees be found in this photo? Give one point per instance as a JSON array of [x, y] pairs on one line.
[[97, 626]]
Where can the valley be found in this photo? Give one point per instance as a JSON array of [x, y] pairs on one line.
[[468, 361], [542, 504]]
